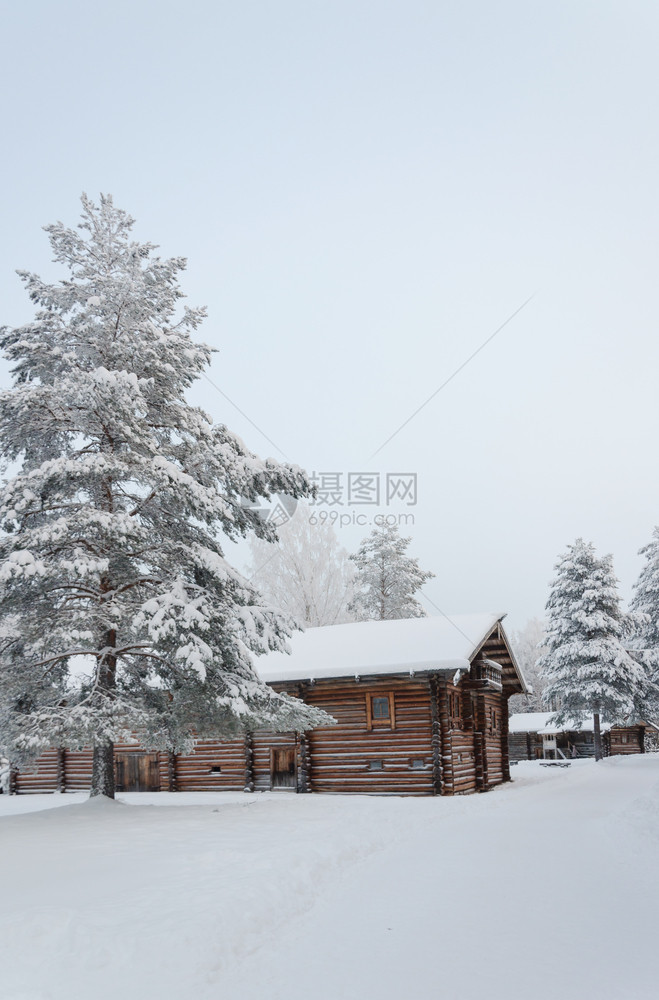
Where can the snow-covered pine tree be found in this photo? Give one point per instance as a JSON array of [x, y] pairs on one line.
[[306, 573], [387, 579], [586, 667], [645, 609], [118, 611]]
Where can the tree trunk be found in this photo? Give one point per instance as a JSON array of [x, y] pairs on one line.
[[598, 736], [103, 771], [249, 762], [103, 759]]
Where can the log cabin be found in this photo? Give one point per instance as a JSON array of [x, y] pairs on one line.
[[533, 736], [421, 708]]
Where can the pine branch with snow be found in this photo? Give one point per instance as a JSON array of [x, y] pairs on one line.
[[118, 610]]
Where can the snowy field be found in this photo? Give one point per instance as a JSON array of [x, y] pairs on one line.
[[548, 887]]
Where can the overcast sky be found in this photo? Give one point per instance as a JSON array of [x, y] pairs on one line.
[[365, 192]]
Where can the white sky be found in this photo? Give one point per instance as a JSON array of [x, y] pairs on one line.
[[365, 192]]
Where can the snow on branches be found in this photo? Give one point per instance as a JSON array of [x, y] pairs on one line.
[[586, 665], [387, 579], [110, 550]]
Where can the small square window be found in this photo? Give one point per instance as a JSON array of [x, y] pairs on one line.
[[417, 764], [215, 769], [380, 707], [375, 765]]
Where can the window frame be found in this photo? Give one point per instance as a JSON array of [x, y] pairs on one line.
[[455, 710], [371, 721]]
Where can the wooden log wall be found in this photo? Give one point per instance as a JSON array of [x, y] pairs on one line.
[[458, 734], [503, 738], [77, 770], [494, 703], [524, 746], [213, 766], [435, 738], [168, 773], [42, 777], [629, 740], [351, 757], [71, 771], [263, 745]]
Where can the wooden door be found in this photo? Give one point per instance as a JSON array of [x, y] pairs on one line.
[[137, 772], [282, 767]]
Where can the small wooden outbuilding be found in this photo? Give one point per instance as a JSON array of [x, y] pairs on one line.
[[421, 708], [533, 736]]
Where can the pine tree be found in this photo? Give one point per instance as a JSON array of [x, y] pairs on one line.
[[645, 608], [118, 611], [587, 668], [387, 579], [306, 573]]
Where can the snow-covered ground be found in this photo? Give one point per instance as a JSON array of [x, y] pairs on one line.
[[548, 887]]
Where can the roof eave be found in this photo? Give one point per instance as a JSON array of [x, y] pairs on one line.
[[405, 671]]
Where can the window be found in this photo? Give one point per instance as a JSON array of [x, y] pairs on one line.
[[455, 710], [215, 769], [380, 710], [494, 720], [417, 764], [375, 765]]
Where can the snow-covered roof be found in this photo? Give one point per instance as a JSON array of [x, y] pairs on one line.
[[380, 647], [538, 722]]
